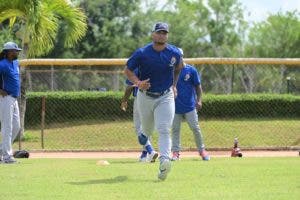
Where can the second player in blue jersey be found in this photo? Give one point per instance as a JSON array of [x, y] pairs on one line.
[[187, 103]]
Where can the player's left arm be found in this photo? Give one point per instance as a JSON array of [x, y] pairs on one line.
[[126, 96], [176, 75], [199, 92], [2, 91]]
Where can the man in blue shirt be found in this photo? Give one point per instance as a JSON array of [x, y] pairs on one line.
[[9, 92], [148, 153], [187, 103], [159, 65]]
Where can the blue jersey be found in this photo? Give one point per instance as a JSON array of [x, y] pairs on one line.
[[186, 94], [10, 77], [128, 82], [157, 66]]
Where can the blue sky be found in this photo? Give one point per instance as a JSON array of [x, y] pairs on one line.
[[260, 9]]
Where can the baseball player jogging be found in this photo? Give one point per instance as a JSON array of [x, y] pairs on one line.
[[9, 92], [187, 103], [148, 154], [159, 65]]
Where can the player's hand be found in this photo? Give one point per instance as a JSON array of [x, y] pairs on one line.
[[199, 105], [3, 93], [144, 85], [174, 91], [124, 105]]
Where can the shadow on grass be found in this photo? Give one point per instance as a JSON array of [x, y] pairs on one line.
[[117, 179]]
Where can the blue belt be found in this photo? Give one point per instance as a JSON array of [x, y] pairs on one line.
[[155, 94]]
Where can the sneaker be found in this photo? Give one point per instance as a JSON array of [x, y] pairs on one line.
[[9, 161], [164, 169], [152, 156], [204, 155], [143, 157], [175, 156]]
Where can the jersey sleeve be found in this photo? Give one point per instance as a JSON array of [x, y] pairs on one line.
[[178, 56], [196, 76], [134, 61]]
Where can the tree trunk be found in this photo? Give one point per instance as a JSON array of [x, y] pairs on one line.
[[22, 98], [22, 101]]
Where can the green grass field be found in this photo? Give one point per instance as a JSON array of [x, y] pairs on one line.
[[220, 178], [119, 135]]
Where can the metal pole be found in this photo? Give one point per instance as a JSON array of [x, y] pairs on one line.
[[43, 120], [19, 138], [52, 78], [232, 78], [288, 79]]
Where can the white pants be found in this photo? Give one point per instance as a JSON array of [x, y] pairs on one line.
[[157, 113], [10, 124], [192, 120]]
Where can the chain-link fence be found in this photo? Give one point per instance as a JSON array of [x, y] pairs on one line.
[[85, 113]]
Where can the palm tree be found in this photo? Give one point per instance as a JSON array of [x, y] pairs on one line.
[[38, 23]]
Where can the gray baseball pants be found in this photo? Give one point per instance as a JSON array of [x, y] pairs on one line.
[[192, 120], [10, 124], [158, 113]]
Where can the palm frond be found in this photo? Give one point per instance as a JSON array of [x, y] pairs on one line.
[[74, 19], [10, 14], [41, 19]]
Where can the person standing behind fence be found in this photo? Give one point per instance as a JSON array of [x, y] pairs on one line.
[[159, 65], [9, 92], [187, 103], [148, 153]]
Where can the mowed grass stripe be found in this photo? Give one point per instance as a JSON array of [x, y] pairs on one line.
[[220, 178]]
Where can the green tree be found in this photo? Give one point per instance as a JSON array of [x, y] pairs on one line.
[[226, 29], [109, 32], [36, 23], [114, 31], [277, 37]]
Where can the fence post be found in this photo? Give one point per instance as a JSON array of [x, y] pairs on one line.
[[20, 139], [52, 77], [288, 79], [232, 78], [43, 120]]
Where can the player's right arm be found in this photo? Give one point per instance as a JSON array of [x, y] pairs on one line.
[[143, 85], [133, 63]]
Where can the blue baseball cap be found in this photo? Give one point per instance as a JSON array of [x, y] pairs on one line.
[[161, 26], [11, 46]]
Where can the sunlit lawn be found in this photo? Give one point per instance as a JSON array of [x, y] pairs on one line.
[[220, 178]]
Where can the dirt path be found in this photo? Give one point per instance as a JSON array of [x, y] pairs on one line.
[[186, 154]]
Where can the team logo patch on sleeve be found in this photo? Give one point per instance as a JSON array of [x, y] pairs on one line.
[[172, 62], [187, 77]]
